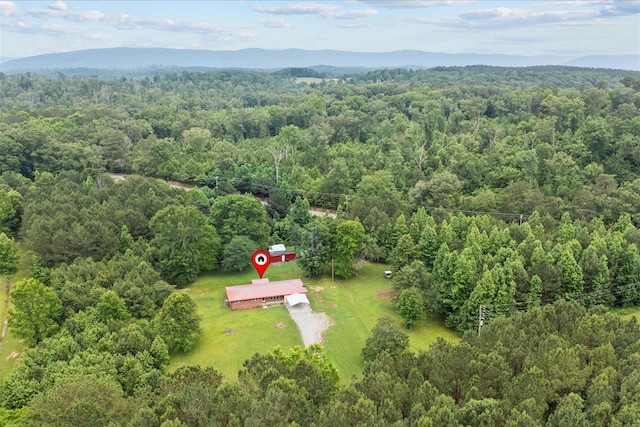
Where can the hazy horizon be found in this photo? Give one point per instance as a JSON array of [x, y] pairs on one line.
[[567, 29]]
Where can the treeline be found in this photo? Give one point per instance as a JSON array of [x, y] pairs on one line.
[[459, 264], [560, 365]]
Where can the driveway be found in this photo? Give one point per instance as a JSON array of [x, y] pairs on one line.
[[311, 325]]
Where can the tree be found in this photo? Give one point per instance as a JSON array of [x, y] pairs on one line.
[[314, 251], [82, 401], [8, 256], [428, 245], [299, 212], [385, 336], [35, 311], [443, 189], [184, 243], [410, 305], [241, 215], [237, 253], [11, 204], [535, 291], [126, 240], [569, 412], [111, 309], [570, 273], [377, 191], [412, 275], [404, 252], [178, 322], [349, 236]]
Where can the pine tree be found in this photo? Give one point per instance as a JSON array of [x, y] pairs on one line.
[[428, 246], [600, 284], [535, 292], [570, 273], [404, 253]]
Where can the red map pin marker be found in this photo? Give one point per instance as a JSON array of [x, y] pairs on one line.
[[261, 260]]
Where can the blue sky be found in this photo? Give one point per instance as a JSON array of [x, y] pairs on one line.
[[568, 28]]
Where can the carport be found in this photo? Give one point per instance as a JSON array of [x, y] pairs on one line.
[[297, 302]]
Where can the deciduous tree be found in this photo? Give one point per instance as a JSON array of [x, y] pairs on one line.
[[348, 239], [35, 311], [178, 322], [410, 305], [8, 255], [385, 336]]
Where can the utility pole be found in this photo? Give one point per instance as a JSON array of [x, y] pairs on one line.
[[480, 318], [217, 182]]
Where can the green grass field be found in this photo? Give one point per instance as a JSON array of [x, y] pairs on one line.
[[353, 306], [628, 312], [308, 80], [11, 345]]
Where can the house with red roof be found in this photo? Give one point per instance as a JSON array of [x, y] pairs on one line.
[[262, 293]]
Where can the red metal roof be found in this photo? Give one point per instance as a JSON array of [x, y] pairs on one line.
[[265, 289]]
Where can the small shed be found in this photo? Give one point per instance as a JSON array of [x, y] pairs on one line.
[[277, 250]]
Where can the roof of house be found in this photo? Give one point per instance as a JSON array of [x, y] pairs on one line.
[[265, 289], [295, 299]]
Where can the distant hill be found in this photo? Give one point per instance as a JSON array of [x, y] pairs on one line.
[[261, 59], [620, 62]]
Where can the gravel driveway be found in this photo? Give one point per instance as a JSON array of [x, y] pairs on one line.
[[310, 324]]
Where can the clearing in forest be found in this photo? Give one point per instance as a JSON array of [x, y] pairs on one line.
[[352, 306]]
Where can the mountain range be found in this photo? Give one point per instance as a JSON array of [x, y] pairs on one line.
[[262, 59]]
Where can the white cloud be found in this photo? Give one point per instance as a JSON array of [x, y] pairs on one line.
[[354, 14], [506, 17], [297, 9], [9, 8], [130, 22], [414, 4], [621, 8], [276, 23], [89, 15], [59, 5], [329, 11], [40, 28]]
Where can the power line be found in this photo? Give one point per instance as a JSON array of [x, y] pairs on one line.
[[349, 197]]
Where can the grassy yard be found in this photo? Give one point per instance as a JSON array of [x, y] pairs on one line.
[[628, 312], [11, 345], [353, 306]]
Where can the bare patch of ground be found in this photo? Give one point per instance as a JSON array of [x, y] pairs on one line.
[[228, 331], [386, 293], [279, 325], [319, 295]]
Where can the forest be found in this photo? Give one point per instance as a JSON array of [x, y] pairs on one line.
[[506, 194]]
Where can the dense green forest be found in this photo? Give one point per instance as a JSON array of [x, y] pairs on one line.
[[512, 195]]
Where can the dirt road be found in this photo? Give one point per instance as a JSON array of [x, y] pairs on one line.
[[315, 211]]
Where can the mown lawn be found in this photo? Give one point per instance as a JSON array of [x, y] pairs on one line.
[[353, 305], [628, 312], [11, 345]]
